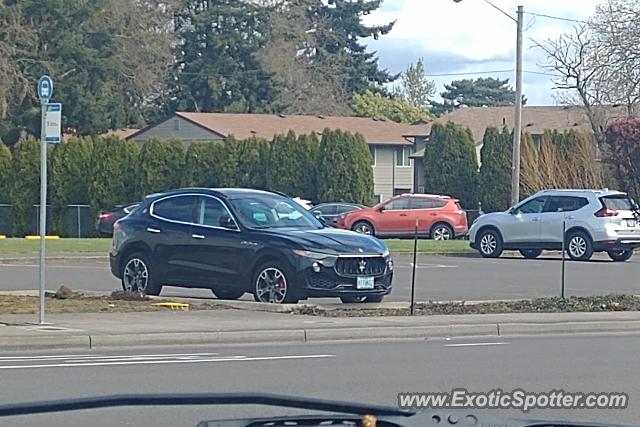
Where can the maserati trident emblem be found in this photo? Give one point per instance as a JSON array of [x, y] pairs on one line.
[[362, 265]]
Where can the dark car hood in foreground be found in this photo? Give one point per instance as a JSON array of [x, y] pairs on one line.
[[332, 241]]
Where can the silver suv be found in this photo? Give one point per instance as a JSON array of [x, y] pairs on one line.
[[595, 221]]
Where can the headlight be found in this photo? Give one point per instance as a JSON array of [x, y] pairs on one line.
[[386, 253], [311, 254]]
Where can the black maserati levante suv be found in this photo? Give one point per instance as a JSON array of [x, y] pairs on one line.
[[234, 241]]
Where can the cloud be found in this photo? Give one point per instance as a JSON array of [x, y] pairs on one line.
[[472, 36]]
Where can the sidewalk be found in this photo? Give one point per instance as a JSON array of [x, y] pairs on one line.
[[231, 326]]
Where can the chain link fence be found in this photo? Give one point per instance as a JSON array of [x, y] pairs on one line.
[[69, 221]]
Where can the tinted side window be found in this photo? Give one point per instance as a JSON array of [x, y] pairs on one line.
[[565, 204], [340, 209], [210, 211], [422, 203], [178, 208], [402, 203], [532, 206], [325, 210]]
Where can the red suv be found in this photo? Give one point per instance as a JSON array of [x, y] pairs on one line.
[[437, 217]]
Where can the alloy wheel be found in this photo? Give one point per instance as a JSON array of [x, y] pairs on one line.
[[136, 275], [363, 229], [488, 244], [271, 286], [577, 246], [442, 233]]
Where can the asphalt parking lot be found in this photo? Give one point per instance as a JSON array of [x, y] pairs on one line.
[[437, 277]]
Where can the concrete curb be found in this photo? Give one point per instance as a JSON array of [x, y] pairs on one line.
[[311, 336]]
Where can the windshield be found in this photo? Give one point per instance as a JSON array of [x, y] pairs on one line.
[[273, 211]]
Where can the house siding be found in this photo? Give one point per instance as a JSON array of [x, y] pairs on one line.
[[387, 176], [187, 132]]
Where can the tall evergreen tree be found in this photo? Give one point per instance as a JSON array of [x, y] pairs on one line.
[[216, 69], [70, 167], [481, 92], [114, 172], [161, 165], [344, 163], [5, 173], [340, 30], [204, 165], [495, 170], [451, 165], [25, 184]]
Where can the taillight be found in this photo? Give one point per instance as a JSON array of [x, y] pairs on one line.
[[604, 212], [105, 215]]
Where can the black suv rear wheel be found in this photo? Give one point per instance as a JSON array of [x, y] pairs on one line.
[[137, 275]]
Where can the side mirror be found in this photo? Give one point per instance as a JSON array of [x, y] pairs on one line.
[[227, 222], [380, 209], [321, 219]]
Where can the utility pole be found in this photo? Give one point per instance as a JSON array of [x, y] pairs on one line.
[[517, 128]]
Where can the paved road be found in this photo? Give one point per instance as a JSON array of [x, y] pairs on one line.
[[362, 372], [437, 277]]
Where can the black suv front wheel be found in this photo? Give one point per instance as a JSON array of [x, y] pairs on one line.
[[273, 284]]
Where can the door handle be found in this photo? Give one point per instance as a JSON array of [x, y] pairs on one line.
[[153, 230], [403, 214], [535, 219], [432, 214], [570, 217], [197, 236]]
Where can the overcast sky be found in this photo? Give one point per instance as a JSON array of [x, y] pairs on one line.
[[471, 36]]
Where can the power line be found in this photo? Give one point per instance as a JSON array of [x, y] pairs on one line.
[[469, 73], [559, 18]]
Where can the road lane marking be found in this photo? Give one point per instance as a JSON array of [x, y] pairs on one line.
[[476, 344], [239, 358], [100, 356]]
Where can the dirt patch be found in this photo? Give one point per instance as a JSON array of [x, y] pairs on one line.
[[73, 302], [537, 305]]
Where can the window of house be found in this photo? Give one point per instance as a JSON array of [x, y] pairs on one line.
[[402, 157], [376, 199], [372, 150]]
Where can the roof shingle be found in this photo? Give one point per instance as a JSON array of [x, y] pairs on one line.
[[241, 126]]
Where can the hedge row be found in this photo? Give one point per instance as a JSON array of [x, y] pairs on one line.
[[108, 171]]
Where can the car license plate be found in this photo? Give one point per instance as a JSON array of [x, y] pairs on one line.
[[365, 283], [631, 223]]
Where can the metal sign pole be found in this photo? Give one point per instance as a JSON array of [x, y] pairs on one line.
[[413, 275], [45, 91], [564, 238], [43, 208]]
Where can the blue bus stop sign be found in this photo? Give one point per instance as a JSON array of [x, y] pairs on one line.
[[45, 88]]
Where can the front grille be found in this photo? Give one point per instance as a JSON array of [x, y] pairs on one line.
[[360, 266], [322, 281]]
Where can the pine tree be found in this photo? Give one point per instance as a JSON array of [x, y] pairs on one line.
[[495, 171]]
